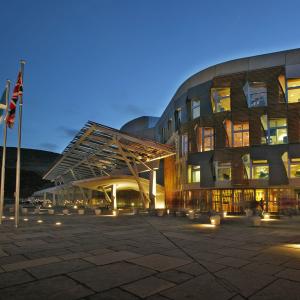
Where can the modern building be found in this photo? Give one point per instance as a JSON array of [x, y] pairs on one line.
[[229, 136]]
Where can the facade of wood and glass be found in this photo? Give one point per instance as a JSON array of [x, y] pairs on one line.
[[236, 127], [229, 136]]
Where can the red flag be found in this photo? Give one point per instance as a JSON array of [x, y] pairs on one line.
[[18, 91]]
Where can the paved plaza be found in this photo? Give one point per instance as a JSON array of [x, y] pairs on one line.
[[142, 257]]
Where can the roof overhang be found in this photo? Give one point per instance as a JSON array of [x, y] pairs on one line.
[[98, 150]]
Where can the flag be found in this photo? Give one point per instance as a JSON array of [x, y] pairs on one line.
[[2, 106], [18, 91]]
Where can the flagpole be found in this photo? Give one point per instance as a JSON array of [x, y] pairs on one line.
[[17, 203], [4, 151]]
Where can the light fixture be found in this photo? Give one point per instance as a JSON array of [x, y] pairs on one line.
[[11, 218], [266, 216], [39, 221], [58, 223], [132, 203], [168, 211], [224, 214], [114, 212], [3, 217], [25, 219], [75, 207]]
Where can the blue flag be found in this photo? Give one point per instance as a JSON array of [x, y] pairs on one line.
[[2, 106]]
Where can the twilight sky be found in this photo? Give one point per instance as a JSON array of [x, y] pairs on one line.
[[114, 60]]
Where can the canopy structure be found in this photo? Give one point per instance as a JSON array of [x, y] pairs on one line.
[[98, 150]]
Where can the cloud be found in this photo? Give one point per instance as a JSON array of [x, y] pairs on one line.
[[49, 146], [67, 131]]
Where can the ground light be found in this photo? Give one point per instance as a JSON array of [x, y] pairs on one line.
[[58, 223], [3, 217], [39, 221], [267, 216], [224, 214], [11, 218], [25, 219]]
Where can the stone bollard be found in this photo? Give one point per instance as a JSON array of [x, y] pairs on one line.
[[81, 211], [24, 210], [98, 211], [65, 211], [51, 211], [215, 220], [256, 221]]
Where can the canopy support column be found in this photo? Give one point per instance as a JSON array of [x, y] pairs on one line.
[[114, 196], [152, 188]]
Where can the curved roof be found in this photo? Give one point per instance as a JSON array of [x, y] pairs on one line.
[[287, 57]]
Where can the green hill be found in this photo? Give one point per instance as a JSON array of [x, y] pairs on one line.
[[34, 163]]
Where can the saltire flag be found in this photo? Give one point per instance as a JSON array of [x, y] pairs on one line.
[[2, 106], [18, 91]]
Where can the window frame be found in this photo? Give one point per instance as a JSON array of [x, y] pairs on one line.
[[193, 170], [201, 138], [194, 108], [224, 165], [217, 102], [247, 91], [288, 89]]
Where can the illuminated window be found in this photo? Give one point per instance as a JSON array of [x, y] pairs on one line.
[[260, 169], [205, 139], [275, 130], [223, 171], [293, 86], [256, 94], [220, 99], [241, 134], [237, 133], [184, 144], [193, 174], [195, 109], [177, 118], [295, 168]]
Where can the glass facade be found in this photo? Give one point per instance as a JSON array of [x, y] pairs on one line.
[[205, 139], [293, 86], [256, 94], [275, 130], [260, 169], [193, 174], [220, 99], [223, 171], [195, 109]]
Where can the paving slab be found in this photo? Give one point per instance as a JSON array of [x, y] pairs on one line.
[[290, 274], [201, 287], [62, 267], [148, 286], [111, 257], [279, 290], [13, 278], [113, 294], [56, 288], [159, 262], [109, 276], [193, 269], [262, 268], [244, 282], [30, 263], [174, 276], [232, 262]]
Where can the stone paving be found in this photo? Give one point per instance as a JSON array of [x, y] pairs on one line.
[[142, 257]]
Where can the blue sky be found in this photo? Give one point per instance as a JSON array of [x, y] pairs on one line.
[[113, 60]]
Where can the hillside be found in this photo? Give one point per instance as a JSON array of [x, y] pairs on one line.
[[34, 163]]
